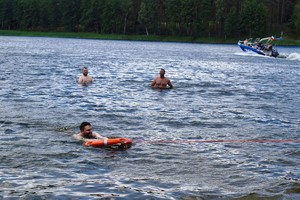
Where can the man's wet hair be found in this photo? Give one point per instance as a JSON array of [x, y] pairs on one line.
[[84, 124]]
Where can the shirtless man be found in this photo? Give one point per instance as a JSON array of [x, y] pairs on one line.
[[86, 133], [85, 78], [246, 42], [161, 81]]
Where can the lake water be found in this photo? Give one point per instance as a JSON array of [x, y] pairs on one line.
[[230, 128]]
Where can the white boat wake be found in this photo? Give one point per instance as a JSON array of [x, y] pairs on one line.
[[293, 56], [252, 54]]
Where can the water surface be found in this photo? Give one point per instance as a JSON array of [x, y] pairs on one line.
[[196, 141]]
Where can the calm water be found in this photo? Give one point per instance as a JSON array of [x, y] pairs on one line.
[[197, 141]]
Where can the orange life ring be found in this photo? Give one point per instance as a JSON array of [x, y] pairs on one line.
[[126, 142]]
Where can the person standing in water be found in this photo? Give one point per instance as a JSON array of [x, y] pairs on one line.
[[161, 81], [85, 78], [86, 132]]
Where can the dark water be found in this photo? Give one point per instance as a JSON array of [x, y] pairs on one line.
[[229, 129]]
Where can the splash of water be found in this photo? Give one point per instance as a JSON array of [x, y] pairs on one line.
[[293, 56]]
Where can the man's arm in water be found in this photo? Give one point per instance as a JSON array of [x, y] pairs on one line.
[[170, 84], [153, 83]]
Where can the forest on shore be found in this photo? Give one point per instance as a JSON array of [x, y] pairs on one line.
[[180, 18]]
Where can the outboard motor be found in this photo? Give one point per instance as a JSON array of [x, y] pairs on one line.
[[274, 53]]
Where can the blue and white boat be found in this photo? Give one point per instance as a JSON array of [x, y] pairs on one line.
[[260, 46]]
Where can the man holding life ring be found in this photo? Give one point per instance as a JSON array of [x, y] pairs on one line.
[[85, 78], [86, 132], [161, 81]]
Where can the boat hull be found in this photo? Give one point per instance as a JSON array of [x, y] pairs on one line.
[[247, 48]]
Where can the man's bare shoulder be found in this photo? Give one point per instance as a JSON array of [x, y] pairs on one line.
[[78, 136]]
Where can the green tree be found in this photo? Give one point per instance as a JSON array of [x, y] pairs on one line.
[[207, 17], [6, 14], [31, 14], [246, 17], [111, 18], [158, 17], [253, 18], [231, 23], [148, 16], [296, 18], [260, 20], [55, 15], [173, 16], [2, 13], [126, 9], [44, 15], [144, 18], [220, 15], [187, 16], [71, 14], [91, 15]]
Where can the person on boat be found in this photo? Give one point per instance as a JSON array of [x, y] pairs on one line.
[[85, 78], [269, 47], [268, 50], [86, 132], [257, 43], [161, 81], [246, 42], [259, 46]]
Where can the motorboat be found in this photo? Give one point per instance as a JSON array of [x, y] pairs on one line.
[[260, 46]]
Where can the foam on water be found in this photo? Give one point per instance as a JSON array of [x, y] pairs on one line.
[[293, 56]]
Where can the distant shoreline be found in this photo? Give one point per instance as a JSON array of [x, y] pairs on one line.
[[82, 35]]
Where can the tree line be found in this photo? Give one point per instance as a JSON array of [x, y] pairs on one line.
[[192, 18]]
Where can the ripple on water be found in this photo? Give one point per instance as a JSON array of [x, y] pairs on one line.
[[182, 147]]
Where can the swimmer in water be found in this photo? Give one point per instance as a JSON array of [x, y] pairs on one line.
[[86, 133], [161, 81], [85, 78]]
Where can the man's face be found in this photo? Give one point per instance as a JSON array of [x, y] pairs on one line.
[[87, 130], [85, 72], [161, 72]]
